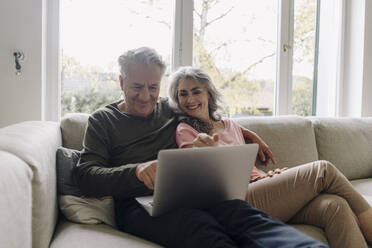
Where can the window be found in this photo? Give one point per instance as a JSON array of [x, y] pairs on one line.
[[235, 42], [305, 15], [253, 50], [91, 43]]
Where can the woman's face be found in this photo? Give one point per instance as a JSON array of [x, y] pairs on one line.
[[193, 99]]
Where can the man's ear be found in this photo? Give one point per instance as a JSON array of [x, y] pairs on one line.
[[121, 82]]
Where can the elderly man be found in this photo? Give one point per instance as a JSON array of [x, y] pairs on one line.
[[121, 144]]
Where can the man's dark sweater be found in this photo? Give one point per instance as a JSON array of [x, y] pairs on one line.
[[116, 142]]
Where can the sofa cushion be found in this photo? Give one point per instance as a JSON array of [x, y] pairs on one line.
[[74, 206], [290, 138], [73, 127], [36, 142], [364, 187], [347, 143], [15, 202], [69, 234], [85, 210]]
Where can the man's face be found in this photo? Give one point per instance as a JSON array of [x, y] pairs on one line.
[[141, 89]]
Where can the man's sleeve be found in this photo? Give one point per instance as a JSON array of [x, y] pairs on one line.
[[93, 173]]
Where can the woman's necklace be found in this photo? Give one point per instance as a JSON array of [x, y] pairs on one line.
[[217, 127]]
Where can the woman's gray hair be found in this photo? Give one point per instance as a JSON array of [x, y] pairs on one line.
[[216, 105], [142, 55]]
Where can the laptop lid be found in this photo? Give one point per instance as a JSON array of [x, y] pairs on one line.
[[199, 178]]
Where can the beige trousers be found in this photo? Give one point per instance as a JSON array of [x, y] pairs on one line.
[[316, 193]]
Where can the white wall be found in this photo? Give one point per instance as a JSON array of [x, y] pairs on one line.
[[21, 29], [367, 74]]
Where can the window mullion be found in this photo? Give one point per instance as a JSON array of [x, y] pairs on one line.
[[52, 96], [182, 33], [283, 89], [340, 58]]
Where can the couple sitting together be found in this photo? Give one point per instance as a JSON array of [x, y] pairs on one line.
[[122, 141]]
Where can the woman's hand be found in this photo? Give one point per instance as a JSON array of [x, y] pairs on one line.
[[264, 151], [204, 140], [262, 174], [271, 173]]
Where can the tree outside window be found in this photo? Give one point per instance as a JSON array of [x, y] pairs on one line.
[[234, 41]]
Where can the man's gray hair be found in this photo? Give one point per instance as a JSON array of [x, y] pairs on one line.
[[142, 55], [216, 105]]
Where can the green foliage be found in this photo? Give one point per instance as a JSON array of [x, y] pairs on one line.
[[304, 29], [89, 99], [302, 96], [102, 88], [234, 86]]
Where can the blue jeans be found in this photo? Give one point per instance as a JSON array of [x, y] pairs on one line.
[[228, 224]]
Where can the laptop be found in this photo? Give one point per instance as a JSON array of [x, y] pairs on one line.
[[200, 177]]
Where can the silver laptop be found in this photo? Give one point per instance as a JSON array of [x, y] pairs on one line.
[[199, 178]]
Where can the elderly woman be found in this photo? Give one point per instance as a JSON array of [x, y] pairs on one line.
[[315, 193]]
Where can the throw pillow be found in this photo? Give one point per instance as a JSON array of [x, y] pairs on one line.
[[67, 159], [74, 206]]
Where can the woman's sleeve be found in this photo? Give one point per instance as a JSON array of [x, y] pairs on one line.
[[239, 136], [185, 135]]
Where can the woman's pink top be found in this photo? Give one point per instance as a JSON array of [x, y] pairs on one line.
[[232, 135]]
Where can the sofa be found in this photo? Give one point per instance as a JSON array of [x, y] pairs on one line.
[[30, 217]]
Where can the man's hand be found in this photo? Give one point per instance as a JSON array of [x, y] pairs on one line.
[[204, 140], [146, 172]]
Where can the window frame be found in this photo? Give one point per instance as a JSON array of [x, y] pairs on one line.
[[52, 98], [182, 32], [182, 39], [283, 90]]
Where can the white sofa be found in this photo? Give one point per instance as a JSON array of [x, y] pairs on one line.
[[29, 215]]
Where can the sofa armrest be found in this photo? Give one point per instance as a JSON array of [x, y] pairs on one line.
[[15, 202], [36, 142]]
